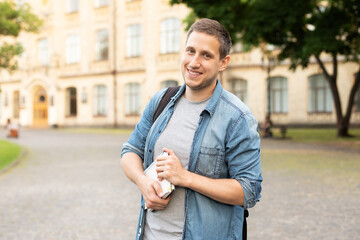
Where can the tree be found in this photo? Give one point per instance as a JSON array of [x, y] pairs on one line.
[[301, 30], [13, 20]]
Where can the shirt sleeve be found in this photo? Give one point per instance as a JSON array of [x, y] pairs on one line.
[[243, 156]]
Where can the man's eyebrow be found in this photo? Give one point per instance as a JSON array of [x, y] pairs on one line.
[[207, 52]]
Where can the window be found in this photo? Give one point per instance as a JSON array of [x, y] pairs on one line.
[[169, 83], [72, 6], [170, 35], [71, 105], [43, 52], [357, 100], [133, 99], [16, 104], [239, 88], [278, 95], [100, 100], [133, 40], [102, 45], [72, 49], [320, 98], [101, 3]]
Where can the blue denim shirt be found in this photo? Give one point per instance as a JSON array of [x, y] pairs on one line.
[[226, 144]]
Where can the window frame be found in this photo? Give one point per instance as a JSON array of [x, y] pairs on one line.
[[169, 83], [132, 99], [72, 6], [101, 3], [134, 40], [100, 100], [241, 93], [170, 35], [281, 92], [315, 92], [43, 51], [72, 49], [102, 45]]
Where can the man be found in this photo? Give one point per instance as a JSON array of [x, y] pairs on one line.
[[213, 149]]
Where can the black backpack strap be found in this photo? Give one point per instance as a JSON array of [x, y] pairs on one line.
[[170, 92], [244, 232]]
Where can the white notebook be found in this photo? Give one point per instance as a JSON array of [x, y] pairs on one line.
[[166, 186]]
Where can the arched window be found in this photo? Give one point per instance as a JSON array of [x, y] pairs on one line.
[[170, 35], [169, 83], [133, 99], [320, 98], [71, 104], [278, 95], [100, 100], [239, 88]]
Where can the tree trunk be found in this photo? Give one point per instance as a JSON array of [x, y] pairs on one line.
[[343, 129], [342, 122]]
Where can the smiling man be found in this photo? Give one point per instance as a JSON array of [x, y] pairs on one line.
[[213, 149]]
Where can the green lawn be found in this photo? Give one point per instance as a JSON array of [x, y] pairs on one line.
[[9, 152], [321, 135]]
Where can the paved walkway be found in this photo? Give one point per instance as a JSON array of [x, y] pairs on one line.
[[71, 186]]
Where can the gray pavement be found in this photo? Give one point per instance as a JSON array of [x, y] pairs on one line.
[[71, 186]]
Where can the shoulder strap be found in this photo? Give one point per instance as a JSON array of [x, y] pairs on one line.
[[244, 233], [170, 92]]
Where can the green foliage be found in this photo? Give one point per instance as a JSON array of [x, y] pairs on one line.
[[13, 20], [299, 28], [8, 53]]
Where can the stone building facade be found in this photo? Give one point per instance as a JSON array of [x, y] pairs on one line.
[[98, 62]]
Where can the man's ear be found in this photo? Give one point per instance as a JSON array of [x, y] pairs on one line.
[[224, 63]]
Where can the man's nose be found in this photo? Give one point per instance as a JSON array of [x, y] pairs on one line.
[[195, 62]]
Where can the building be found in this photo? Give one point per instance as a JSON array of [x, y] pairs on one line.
[[98, 62]]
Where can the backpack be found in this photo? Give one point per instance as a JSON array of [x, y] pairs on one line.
[[170, 92]]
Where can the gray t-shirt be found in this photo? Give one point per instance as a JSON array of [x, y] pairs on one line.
[[178, 136]]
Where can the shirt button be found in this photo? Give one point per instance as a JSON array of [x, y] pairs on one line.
[[150, 150], [159, 131]]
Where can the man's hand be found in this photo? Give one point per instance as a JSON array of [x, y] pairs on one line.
[[152, 193], [170, 168]]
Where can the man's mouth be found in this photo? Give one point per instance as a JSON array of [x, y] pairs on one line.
[[193, 73]]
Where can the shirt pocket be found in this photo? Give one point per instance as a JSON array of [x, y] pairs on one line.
[[210, 162]]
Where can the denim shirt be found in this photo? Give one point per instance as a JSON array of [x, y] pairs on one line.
[[226, 144]]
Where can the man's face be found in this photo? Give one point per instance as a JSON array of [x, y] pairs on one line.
[[201, 63]]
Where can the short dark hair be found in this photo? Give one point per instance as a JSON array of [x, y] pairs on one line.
[[213, 28]]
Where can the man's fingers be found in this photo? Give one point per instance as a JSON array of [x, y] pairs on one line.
[[158, 190]]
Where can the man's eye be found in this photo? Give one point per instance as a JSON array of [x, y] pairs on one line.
[[207, 55]]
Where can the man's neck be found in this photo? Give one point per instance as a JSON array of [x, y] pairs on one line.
[[198, 95]]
